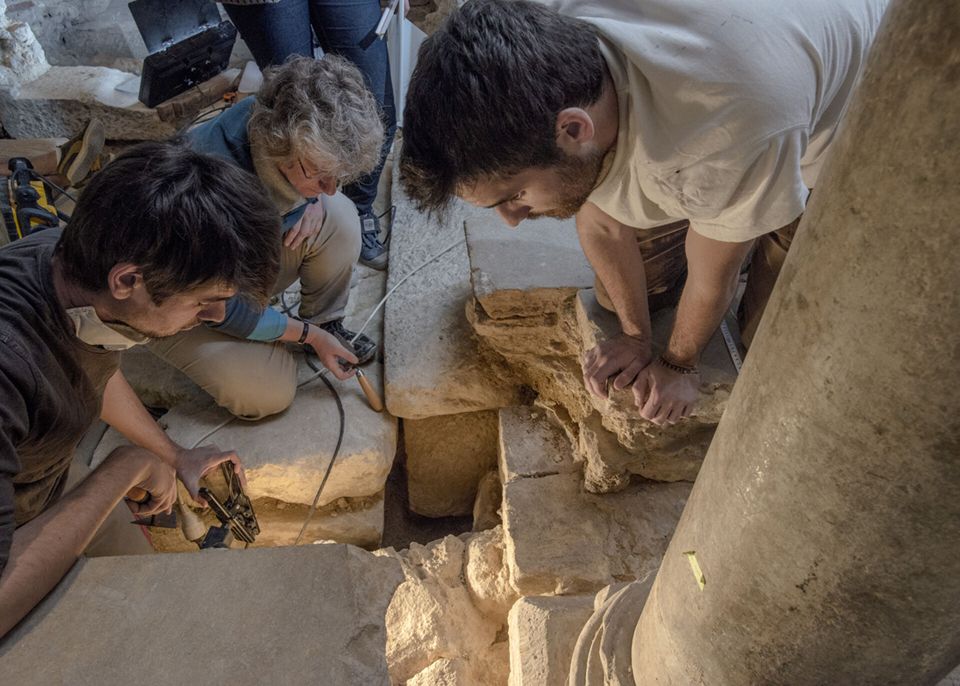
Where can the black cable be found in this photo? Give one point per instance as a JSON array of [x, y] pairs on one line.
[[392, 211], [41, 177], [310, 355]]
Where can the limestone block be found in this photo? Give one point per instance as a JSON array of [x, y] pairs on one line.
[[247, 617], [487, 575], [528, 271], [486, 508], [595, 540], [63, 99], [433, 364], [631, 444], [432, 615], [446, 458], [286, 455], [22, 58], [543, 351], [543, 631], [446, 622], [531, 446]]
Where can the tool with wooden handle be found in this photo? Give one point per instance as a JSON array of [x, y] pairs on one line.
[[373, 398], [138, 495]]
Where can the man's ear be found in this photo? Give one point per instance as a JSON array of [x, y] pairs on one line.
[[575, 130], [123, 280]]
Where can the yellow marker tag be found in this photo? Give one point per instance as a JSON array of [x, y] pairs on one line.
[[695, 566]]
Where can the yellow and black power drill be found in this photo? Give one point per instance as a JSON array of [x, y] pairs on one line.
[[26, 202]]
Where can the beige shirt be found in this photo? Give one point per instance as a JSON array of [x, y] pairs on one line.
[[726, 107]]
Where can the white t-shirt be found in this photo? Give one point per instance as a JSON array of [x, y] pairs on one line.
[[726, 106]]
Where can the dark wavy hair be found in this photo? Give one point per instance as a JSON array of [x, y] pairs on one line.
[[485, 94], [185, 218]]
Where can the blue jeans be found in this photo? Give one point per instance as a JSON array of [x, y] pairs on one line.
[[274, 31]]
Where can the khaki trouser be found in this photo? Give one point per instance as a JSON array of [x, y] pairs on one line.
[[665, 265], [253, 379]]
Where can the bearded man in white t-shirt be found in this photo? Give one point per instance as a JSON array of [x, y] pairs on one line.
[[670, 128]]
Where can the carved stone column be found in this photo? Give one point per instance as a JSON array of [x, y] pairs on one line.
[[826, 517]]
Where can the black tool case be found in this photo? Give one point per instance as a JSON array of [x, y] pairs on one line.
[[188, 44]]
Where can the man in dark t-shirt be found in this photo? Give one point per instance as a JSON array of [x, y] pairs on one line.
[[159, 240]]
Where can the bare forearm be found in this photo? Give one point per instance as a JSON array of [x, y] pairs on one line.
[[45, 548], [123, 411], [713, 268], [699, 313], [615, 256]]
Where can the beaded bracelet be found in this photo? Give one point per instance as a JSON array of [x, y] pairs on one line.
[[676, 367]]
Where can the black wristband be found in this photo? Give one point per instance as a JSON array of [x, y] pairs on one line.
[[679, 369], [303, 334]]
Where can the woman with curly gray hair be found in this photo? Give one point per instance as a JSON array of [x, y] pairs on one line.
[[312, 127]]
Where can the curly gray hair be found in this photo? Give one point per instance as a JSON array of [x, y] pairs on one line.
[[321, 111]]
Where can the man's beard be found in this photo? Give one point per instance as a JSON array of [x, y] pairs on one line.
[[577, 177]]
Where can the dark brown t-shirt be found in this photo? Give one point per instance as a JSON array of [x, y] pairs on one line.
[[51, 385]]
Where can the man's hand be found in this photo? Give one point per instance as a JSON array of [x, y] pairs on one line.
[[194, 463], [622, 355], [664, 396], [307, 227], [160, 481], [330, 352]]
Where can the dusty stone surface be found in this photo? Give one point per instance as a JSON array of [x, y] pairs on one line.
[[446, 458], [543, 631], [21, 57], [595, 539], [445, 622], [316, 610], [486, 508], [531, 447], [63, 99], [608, 435], [433, 363], [486, 574], [286, 455], [528, 271]]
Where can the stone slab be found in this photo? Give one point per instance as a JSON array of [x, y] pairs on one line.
[[63, 99], [446, 458], [594, 540], [526, 271], [285, 456], [543, 631], [532, 446], [433, 364], [22, 57], [313, 613]]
